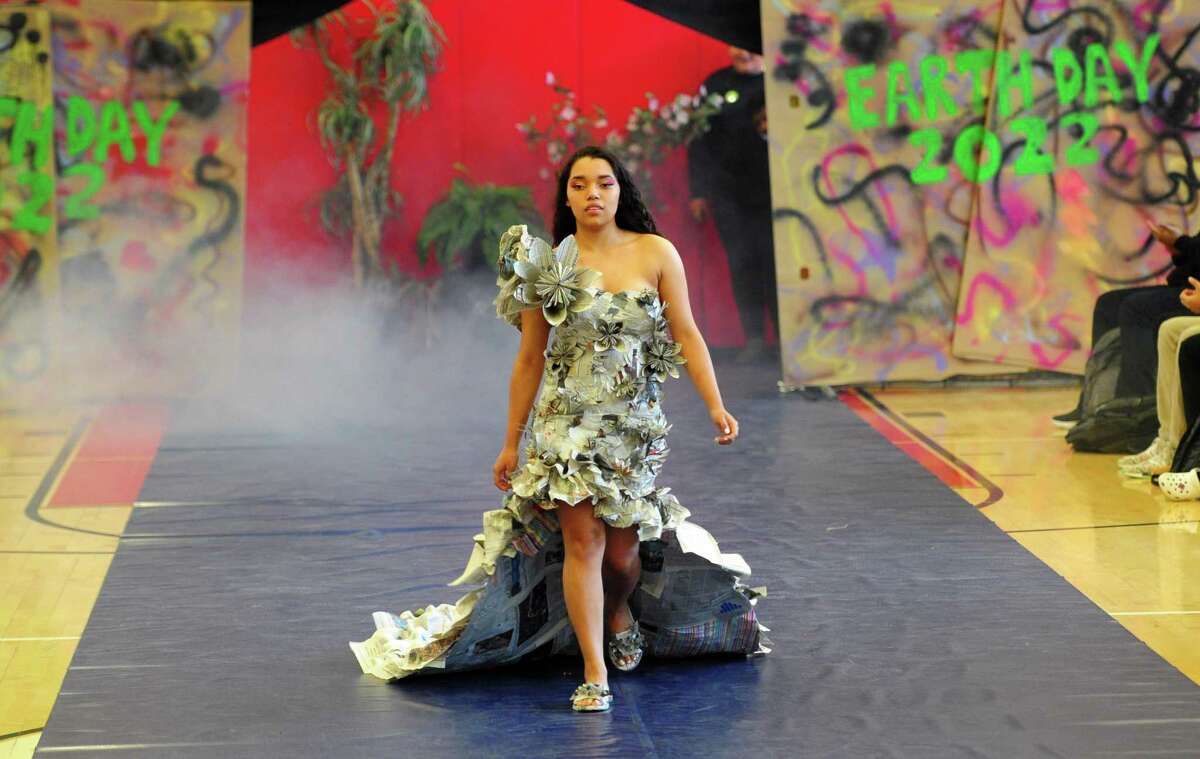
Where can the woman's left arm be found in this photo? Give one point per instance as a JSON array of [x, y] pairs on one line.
[[672, 288]]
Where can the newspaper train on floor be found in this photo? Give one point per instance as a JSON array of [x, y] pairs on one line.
[[691, 600]]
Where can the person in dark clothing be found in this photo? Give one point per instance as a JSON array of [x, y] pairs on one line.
[[728, 174], [1189, 379], [1139, 311]]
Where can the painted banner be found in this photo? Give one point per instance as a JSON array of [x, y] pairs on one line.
[[28, 256], [955, 183], [149, 132], [869, 261], [1095, 132]]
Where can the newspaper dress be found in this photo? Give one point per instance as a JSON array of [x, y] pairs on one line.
[[597, 432]]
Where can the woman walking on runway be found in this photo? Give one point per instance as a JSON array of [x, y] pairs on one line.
[[604, 320], [610, 354]]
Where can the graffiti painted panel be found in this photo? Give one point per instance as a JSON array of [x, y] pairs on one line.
[[1120, 141], [869, 260], [28, 261], [150, 104]]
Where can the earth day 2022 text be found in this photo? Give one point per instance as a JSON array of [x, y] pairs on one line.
[[85, 130], [1070, 79]]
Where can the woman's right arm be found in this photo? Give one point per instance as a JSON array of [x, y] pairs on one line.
[[526, 375]]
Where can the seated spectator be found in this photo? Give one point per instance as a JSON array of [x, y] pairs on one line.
[[1139, 311], [1185, 485], [1172, 420]]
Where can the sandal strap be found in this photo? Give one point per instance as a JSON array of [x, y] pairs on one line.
[[629, 642], [591, 690]]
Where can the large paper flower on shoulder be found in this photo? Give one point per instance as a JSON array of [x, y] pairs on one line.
[[513, 245], [553, 279]]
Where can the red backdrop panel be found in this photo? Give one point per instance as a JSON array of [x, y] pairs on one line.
[[492, 77]]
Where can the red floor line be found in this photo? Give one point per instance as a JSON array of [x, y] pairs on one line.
[[952, 471], [114, 457]]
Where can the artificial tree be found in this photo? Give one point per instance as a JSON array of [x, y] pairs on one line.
[[383, 72]]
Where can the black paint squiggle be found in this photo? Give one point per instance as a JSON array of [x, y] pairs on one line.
[[822, 254]]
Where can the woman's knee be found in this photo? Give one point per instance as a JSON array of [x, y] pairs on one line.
[[621, 558], [583, 533]]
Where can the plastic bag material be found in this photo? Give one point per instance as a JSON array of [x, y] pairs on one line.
[[1100, 375], [1122, 425]]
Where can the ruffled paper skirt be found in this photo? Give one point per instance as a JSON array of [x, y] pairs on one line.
[[692, 600]]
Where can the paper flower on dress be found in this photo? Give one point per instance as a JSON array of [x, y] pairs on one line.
[[513, 245], [611, 335], [627, 386], [621, 468], [534, 477], [568, 484], [566, 402], [648, 299], [552, 279], [662, 359], [582, 437], [656, 454], [561, 357]]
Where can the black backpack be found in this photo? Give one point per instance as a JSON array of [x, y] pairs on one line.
[[1110, 424], [1187, 455]]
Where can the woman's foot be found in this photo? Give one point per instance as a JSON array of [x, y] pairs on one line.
[[591, 697], [625, 644]]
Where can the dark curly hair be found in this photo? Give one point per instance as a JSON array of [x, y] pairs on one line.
[[632, 213]]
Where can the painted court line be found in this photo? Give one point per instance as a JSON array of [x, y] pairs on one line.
[[1102, 526], [133, 746], [120, 666], [59, 553], [113, 458], [955, 473]]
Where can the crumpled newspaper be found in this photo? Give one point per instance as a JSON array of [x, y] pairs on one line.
[[691, 600]]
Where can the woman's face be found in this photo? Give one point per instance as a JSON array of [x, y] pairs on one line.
[[592, 192]]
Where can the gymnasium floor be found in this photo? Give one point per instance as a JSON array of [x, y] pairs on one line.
[[996, 635]]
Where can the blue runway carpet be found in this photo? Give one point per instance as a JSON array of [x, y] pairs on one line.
[[905, 624]]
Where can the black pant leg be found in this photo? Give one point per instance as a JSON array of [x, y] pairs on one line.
[[764, 231], [1139, 317], [1104, 313], [743, 246], [1189, 378]]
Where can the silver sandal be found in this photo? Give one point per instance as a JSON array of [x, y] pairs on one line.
[[627, 645], [600, 694]]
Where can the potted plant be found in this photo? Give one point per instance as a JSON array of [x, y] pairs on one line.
[[462, 229]]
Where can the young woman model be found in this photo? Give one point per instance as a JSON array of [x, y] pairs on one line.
[[634, 270], [614, 292]]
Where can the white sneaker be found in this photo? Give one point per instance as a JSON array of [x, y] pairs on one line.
[[1157, 463], [1138, 458]]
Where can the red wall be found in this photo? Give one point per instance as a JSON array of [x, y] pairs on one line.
[[492, 77]]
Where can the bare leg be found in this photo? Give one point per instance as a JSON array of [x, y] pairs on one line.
[[622, 568], [583, 589]]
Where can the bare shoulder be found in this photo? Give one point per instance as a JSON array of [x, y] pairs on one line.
[[661, 250]]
